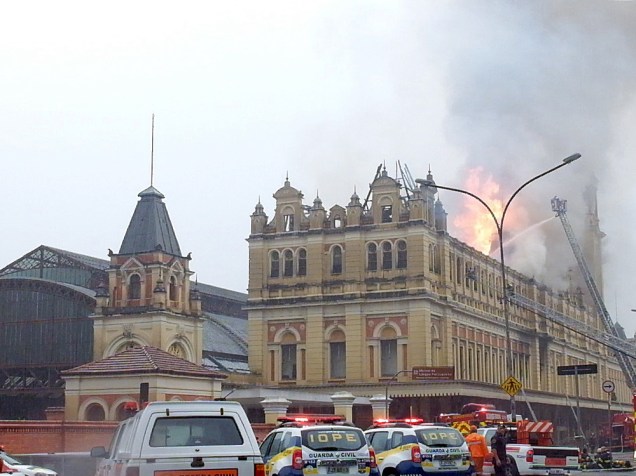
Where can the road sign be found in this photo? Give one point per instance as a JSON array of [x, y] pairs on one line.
[[577, 369], [433, 373], [608, 386], [511, 386]]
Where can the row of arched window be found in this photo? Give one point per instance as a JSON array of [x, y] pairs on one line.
[[386, 255], [134, 287]]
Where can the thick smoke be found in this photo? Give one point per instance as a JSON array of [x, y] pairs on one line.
[[528, 84]]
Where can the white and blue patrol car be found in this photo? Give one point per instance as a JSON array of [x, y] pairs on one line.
[[411, 448], [317, 446]]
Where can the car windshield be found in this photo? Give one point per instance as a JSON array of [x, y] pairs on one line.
[[440, 437], [333, 439], [9, 459]]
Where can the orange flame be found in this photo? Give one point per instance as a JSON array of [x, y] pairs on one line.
[[475, 225]]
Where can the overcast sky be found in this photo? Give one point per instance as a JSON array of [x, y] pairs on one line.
[[246, 93]]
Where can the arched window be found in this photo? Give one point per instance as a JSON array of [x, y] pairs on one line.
[[402, 260], [388, 352], [387, 255], [288, 361], [95, 412], [336, 260], [288, 263], [274, 264], [302, 262], [372, 257], [337, 355], [172, 288], [134, 287]]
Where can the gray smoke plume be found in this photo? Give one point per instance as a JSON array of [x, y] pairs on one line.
[[529, 83]]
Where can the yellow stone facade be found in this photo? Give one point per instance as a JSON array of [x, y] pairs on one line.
[[163, 313], [353, 295]]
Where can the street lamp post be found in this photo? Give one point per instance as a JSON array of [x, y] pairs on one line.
[[386, 391], [499, 224]]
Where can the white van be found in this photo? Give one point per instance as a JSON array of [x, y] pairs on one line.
[[202, 438]]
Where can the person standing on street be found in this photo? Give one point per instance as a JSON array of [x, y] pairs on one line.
[[478, 449], [498, 449]]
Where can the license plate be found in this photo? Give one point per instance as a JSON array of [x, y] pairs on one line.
[[556, 471], [446, 462], [199, 472], [337, 469], [555, 461]]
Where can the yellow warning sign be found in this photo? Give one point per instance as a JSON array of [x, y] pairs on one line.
[[511, 386]]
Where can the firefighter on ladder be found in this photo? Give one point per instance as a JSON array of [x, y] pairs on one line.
[[478, 449]]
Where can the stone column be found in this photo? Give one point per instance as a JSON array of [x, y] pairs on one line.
[[343, 404], [274, 408], [380, 405]]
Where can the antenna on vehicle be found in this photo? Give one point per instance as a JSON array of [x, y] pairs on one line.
[[222, 399]]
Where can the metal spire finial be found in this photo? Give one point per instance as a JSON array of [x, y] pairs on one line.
[[152, 150]]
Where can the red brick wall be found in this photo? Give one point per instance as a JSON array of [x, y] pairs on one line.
[[24, 437]]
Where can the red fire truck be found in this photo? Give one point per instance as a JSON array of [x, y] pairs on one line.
[[478, 414], [621, 434]]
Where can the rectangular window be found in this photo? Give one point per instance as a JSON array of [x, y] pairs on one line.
[[288, 361], [388, 357], [288, 222], [387, 214], [338, 359]]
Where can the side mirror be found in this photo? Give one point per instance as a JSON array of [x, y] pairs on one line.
[[99, 452]]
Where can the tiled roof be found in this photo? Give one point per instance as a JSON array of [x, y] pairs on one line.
[[143, 360]]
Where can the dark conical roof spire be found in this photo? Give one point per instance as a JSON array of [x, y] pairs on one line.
[[150, 228]]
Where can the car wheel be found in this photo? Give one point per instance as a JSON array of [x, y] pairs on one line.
[[511, 468]]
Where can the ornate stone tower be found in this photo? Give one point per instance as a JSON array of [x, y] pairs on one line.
[[148, 300]]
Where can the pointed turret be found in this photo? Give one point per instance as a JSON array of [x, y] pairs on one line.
[[259, 218], [148, 294], [354, 210], [150, 228]]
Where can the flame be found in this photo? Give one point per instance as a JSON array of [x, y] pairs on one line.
[[475, 225]]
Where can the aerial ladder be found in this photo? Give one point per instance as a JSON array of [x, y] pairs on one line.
[[611, 339], [616, 343], [614, 339]]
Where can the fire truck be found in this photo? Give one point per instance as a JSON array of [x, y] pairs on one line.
[[478, 414], [620, 437]]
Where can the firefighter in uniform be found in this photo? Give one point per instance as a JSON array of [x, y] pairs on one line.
[[478, 448]]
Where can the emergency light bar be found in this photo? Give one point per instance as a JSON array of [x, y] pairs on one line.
[[302, 418], [411, 421]]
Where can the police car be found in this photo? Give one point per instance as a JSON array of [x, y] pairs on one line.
[[411, 447], [320, 445]]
